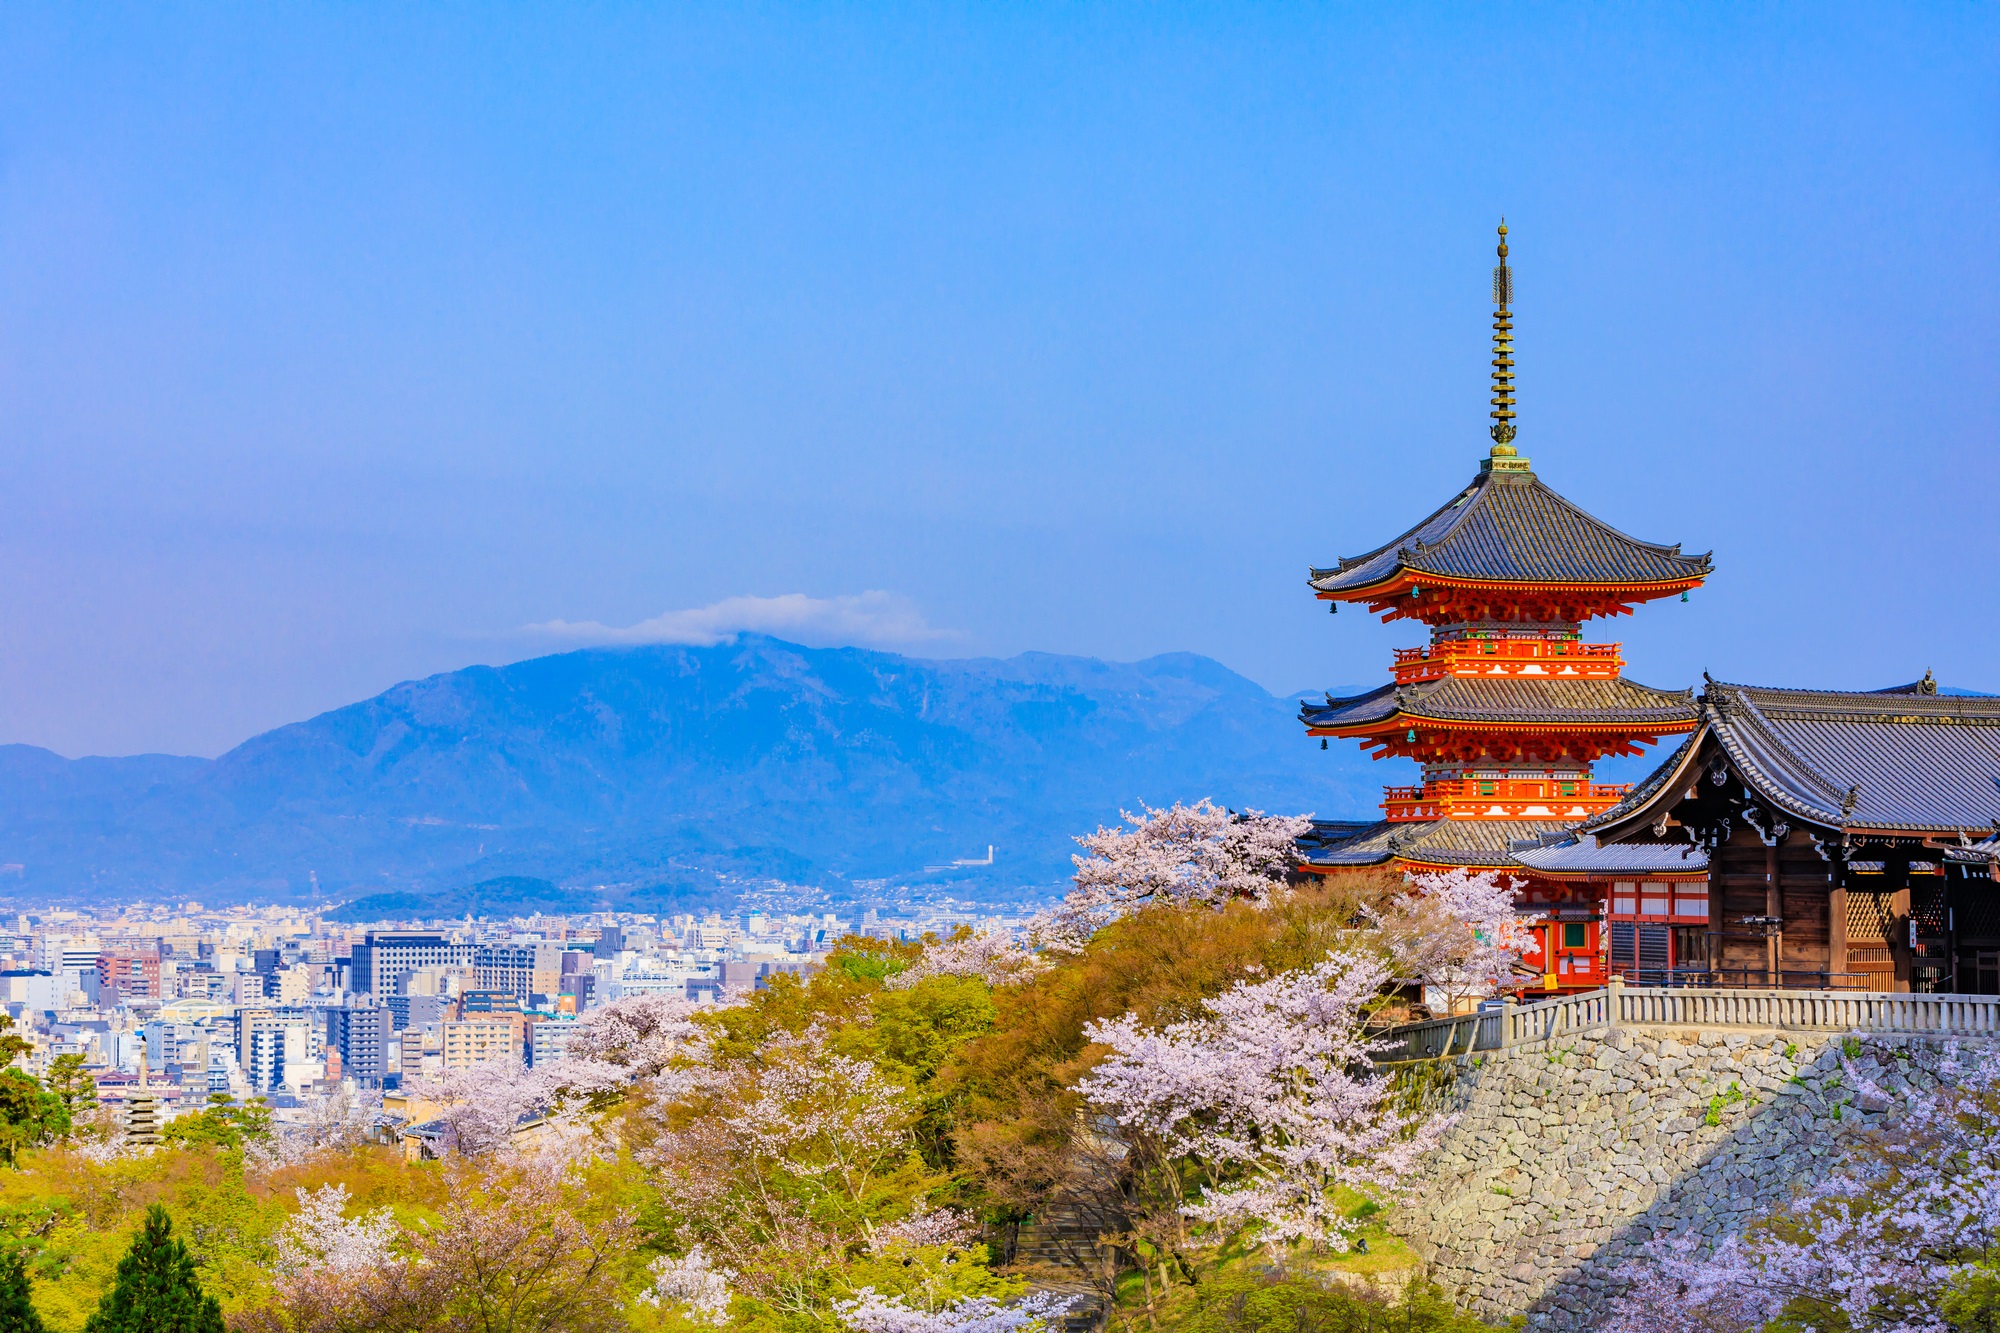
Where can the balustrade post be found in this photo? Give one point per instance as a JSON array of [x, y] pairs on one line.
[[1614, 1001]]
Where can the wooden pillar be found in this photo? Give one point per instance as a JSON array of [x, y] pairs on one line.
[[1715, 959], [1772, 904], [1836, 932]]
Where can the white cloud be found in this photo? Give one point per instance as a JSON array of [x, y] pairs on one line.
[[873, 619]]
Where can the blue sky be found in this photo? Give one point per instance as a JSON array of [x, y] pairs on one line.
[[340, 345]]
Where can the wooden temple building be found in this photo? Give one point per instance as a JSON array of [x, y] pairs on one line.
[[1507, 707], [1849, 838], [1795, 838]]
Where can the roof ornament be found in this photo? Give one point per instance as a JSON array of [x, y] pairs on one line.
[[1502, 458], [1928, 685], [1849, 801]]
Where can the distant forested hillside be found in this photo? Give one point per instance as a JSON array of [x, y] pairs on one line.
[[649, 770]]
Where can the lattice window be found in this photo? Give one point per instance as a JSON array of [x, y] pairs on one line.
[[1868, 915], [1927, 905]]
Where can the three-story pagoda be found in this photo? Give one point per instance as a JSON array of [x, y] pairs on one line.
[[1506, 708]]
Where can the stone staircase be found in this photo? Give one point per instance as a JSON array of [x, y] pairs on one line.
[[1058, 1252]]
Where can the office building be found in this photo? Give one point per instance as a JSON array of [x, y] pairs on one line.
[[389, 955]]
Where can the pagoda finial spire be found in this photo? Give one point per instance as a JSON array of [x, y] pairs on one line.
[[1502, 458]]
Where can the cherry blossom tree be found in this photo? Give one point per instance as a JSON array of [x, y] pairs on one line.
[[1200, 853], [512, 1252], [1900, 1234], [924, 1226], [326, 1122], [482, 1106], [697, 1287], [1458, 932], [994, 957], [795, 1169], [321, 1239], [869, 1312], [1270, 1093], [641, 1033]]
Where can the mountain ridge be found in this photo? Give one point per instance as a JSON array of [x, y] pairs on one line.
[[663, 767]]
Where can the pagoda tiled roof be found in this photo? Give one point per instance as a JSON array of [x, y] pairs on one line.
[[1901, 760], [1511, 701], [1509, 528]]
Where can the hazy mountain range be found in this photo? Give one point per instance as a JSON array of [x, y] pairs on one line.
[[635, 775]]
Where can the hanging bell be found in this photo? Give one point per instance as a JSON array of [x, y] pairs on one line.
[[1322, 742], [1684, 597], [1413, 733]]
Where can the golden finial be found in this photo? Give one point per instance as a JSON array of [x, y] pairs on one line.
[[1502, 458]]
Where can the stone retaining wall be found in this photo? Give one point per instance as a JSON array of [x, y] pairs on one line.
[[1568, 1155]]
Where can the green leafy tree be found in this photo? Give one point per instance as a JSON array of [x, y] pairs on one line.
[[12, 1046], [72, 1085], [223, 1124], [29, 1114], [156, 1290], [17, 1312]]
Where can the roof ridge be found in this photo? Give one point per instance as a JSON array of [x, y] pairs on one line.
[[1467, 504], [1346, 563], [1585, 514], [1769, 733]]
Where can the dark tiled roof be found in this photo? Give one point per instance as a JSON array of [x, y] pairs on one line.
[[1512, 700], [1509, 528], [1912, 762], [1583, 856], [1477, 843]]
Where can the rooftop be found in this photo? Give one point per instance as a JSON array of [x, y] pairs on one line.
[[1512, 701], [1509, 528], [1900, 760]]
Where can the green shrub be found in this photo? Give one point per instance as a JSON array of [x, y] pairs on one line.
[[1268, 1303]]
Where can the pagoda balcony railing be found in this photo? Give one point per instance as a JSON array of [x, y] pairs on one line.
[[1469, 798], [1507, 657], [1451, 789]]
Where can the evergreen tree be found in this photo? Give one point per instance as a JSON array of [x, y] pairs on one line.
[[17, 1313], [156, 1290]]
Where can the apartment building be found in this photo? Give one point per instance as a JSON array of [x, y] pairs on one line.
[[471, 1041], [362, 1038], [525, 968], [128, 976], [278, 1050]]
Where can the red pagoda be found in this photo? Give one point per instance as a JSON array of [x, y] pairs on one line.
[[1506, 708]]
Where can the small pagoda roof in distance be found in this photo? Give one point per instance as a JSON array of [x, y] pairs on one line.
[[1512, 701], [1508, 528], [1909, 760]]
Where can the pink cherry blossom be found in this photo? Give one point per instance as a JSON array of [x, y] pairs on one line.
[[1270, 1091], [870, 1312], [642, 1033], [1200, 853], [1905, 1211], [994, 957], [482, 1107], [925, 1226], [691, 1282], [321, 1238], [1459, 931]]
